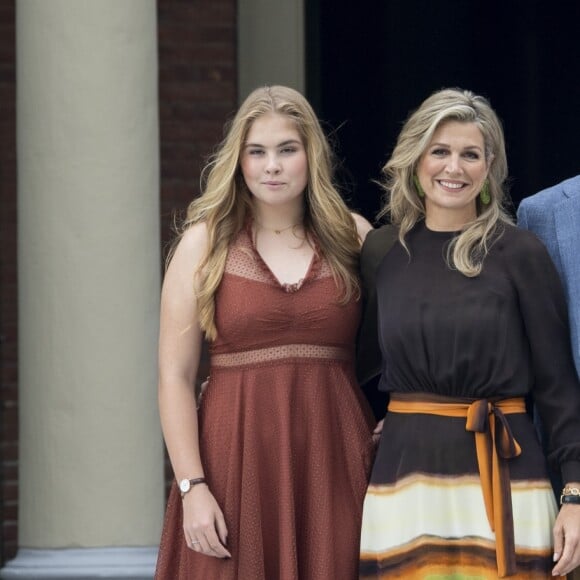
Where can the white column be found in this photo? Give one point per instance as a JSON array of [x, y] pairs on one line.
[[91, 456], [270, 44]]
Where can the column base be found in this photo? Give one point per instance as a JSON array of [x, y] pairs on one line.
[[85, 564]]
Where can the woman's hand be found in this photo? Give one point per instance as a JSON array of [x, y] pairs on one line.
[[567, 539], [203, 523], [377, 432]]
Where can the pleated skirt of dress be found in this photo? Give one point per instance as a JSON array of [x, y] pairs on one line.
[[287, 452]]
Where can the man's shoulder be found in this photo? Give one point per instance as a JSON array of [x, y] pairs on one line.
[[550, 195]]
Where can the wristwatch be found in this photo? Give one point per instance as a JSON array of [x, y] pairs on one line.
[[186, 484]]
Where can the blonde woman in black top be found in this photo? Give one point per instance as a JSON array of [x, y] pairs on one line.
[[471, 321]]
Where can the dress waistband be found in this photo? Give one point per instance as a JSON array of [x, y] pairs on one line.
[[494, 444], [285, 351]]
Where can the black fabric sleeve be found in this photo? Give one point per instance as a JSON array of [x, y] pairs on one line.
[[556, 389], [368, 360]]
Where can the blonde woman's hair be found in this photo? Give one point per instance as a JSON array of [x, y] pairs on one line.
[[226, 203], [468, 249]]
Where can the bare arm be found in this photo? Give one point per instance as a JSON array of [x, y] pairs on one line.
[[363, 226], [180, 340], [179, 356]]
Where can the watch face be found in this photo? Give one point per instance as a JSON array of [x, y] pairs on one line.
[[184, 485]]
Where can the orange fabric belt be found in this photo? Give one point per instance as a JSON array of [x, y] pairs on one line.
[[494, 445]]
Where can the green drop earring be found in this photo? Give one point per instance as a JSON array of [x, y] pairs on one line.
[[418, 187], [484, 194]]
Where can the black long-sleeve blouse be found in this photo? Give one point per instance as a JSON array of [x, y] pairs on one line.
[[501, 334]]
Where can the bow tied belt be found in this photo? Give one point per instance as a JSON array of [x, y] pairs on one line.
[[494, 444]]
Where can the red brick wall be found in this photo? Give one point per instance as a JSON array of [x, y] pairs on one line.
[[197, 90], [8, 292]]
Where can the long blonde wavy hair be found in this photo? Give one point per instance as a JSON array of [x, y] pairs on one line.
[[468, 249], [226, 203]]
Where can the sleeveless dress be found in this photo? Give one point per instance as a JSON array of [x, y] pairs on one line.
[[490, 339], [285, 433]]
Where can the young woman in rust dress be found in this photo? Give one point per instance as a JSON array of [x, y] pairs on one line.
[[271, 472]]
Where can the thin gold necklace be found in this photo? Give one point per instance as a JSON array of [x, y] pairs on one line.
[[279, 231]]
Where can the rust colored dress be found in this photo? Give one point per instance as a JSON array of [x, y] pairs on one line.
[[285, 433]]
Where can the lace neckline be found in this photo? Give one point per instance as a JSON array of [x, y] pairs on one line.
[[288, 287]]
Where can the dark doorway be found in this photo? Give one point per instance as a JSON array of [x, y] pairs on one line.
[[370, 63]]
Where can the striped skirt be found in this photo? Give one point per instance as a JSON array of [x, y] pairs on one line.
[[425, 513]]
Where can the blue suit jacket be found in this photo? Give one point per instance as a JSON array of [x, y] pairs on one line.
[[554, 216]]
